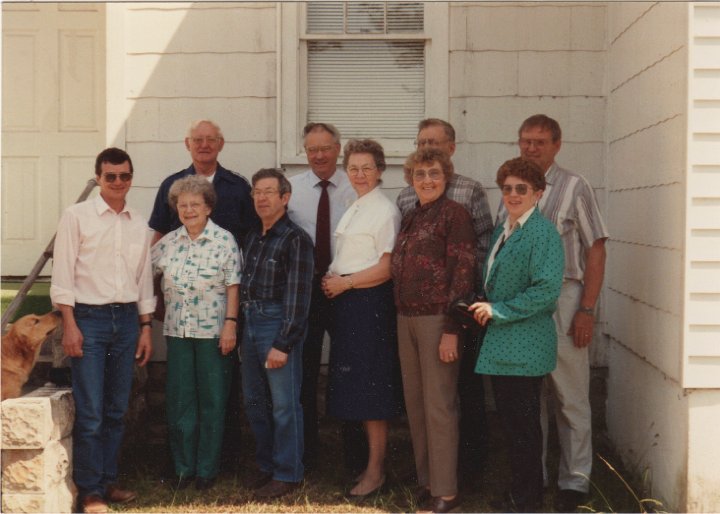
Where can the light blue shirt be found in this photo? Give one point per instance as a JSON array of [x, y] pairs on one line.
[[306, 190]]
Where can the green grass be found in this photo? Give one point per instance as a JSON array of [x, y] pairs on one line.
[[36, 302], [323, 490]]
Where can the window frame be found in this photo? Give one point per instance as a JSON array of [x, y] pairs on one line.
[[292, 75]]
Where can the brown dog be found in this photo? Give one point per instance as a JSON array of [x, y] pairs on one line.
[[20, 349]]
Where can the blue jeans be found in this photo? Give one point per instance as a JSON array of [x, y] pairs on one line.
[[101, 380], [272, 396]]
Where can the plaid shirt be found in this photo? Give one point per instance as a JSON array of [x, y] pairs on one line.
[[470, 194], [279, 267]]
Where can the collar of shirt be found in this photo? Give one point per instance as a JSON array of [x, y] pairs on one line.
[[519, 223], [551, 173], [101, 207], [278, 227], [183, 233]]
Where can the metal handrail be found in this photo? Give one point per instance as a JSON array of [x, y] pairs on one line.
[[39, 265]]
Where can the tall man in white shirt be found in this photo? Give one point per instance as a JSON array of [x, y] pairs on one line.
[[569, 202], [102, 283], [322, 184]]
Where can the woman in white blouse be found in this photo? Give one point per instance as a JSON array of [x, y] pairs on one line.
[[364, 379]]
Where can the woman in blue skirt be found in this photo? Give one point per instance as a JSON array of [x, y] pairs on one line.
[[364, 379]]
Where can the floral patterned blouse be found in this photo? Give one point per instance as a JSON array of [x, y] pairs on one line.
[[196, 275], [433, 263]]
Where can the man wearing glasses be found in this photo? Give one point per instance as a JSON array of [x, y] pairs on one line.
[[102, 284], [275, 288], [437, 133], [569, 202], [234, 212], [321, 195]]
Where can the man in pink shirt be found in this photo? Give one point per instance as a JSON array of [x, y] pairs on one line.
[[102, 283]]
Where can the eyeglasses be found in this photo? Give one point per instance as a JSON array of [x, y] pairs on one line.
[[311, 150], [428, 142], [538, 143], [260, 193], [192, 206], [521, 189], [124, 177], [419, 176], [207, 139], [355, 171]]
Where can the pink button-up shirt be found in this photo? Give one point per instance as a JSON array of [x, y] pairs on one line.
[[102, 257]]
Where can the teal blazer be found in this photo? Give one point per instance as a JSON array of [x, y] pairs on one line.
[[523, 287]]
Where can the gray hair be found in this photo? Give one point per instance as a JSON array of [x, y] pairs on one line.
[[194, 185], [322, 127], [195, 124]]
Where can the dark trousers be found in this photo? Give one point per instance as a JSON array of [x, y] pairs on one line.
[[354, 441], [518, 403], [473, 430]]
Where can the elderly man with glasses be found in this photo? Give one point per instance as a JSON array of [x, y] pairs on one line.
[[320, 197]]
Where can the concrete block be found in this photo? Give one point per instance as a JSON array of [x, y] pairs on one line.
[[587, 27], [167, 29], [36, 471], [30, 421], [662, 30], [182, 75], [659, 93], [483, 74], [167, 119], [576, 73], [518, 27]]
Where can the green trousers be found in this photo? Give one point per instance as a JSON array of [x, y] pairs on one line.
[[198, 384]]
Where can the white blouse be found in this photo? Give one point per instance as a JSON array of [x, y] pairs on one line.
[[366, 231]]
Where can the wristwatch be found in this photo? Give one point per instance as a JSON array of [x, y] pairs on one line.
[[587, 310]]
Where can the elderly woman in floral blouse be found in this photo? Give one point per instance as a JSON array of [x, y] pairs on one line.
[[432, 265], [200, 263]]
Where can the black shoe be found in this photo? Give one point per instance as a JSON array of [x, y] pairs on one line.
[[259, 480], [276, 489], [360, 498], [568, 500], [508, 504], [203, 484]]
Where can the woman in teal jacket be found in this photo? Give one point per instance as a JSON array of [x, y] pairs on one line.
[[522, 278]]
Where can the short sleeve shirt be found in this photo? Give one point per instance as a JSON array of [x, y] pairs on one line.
[[366, 231], [196, 275]]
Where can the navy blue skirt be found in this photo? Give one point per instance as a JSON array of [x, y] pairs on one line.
[[364, 380]]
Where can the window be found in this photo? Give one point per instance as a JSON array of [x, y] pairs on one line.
[[370, 68]]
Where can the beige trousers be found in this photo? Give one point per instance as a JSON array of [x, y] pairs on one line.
[[569, 388], [431, 400]]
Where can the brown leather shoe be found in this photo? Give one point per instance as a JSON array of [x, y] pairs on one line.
[[276, 489], [94, 503], [116, 495]]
